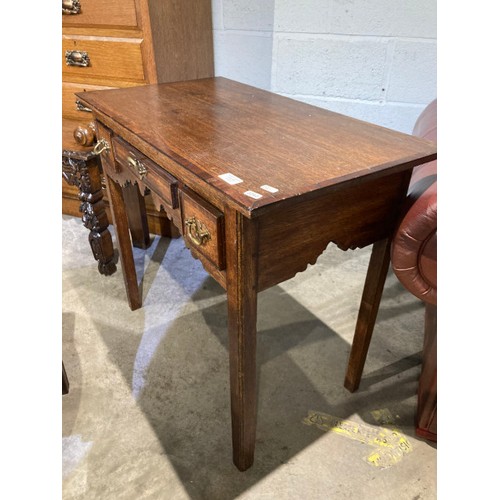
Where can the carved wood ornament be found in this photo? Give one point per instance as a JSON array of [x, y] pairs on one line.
[[83, 171]]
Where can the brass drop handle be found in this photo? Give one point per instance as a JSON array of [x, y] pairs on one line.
[[77, 58], [101, 146], [81, 107], [71, 7], [137, 165], [197, 231]]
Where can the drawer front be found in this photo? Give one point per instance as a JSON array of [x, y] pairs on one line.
[[116, 13], [146, 171], [108, 58], [69, 101], [203, 228]]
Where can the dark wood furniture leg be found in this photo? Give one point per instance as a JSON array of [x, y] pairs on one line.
[[82, 169], [169, 230], [241, 254], [367, 315], [137, 217], [65, 381], [426, 421], [120, 221]]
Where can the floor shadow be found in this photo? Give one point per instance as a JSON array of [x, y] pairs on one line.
[[401, 298], [388, 371], [71, 360], [300, 366], [147, 262], [177, 367]]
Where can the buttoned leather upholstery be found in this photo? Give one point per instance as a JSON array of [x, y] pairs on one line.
[[414, 247]]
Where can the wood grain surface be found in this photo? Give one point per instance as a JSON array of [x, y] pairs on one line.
[[216, 126], [112, 58], [103, 13]]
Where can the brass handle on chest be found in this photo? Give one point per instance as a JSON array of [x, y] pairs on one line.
[[101, 146], [71, 7], [197, 231], [82, 107], [137, 165], [77, 58]]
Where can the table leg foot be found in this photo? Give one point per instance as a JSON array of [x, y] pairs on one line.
[[242, 319], [370, 302]]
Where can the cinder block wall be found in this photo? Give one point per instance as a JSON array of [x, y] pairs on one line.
[[370, 59]]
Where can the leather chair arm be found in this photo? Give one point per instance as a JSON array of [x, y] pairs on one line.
[[414, 247]]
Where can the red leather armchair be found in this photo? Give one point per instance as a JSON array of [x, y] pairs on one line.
[[413, 255], [414, 261]]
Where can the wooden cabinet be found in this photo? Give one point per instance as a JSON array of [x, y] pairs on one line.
[[124, 43]]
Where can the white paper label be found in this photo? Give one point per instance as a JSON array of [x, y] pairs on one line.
[[253, 195], [271, 189], [230, 178]]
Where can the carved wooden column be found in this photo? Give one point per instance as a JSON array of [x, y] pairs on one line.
[[82, 169]]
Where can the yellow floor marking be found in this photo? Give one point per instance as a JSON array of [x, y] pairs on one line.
[[391, 444]]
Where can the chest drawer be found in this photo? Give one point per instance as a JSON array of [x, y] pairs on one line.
[[101, 57], [117, 13], [142, 168], [203, 228], [69, 100]]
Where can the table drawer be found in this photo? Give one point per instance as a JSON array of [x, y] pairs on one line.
[[203, 228], [110, 58], [142, 168], [69, 101], [116, 13]]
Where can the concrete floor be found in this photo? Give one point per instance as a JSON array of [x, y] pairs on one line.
[[147, 415]]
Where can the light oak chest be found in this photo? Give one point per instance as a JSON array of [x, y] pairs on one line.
[[125, 43]]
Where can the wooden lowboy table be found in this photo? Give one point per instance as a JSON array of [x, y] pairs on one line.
[[259, 185]]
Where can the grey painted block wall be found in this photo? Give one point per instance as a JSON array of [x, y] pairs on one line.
[[373, 60]]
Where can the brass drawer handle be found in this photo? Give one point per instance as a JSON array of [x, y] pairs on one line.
[[77, 58], [197, 231], [137, 165], [101, 146], [71, 7], [82, 107]]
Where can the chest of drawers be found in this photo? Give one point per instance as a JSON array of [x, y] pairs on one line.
[[125, 43]]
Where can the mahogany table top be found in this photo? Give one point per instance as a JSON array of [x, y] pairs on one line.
[[217, 127]]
